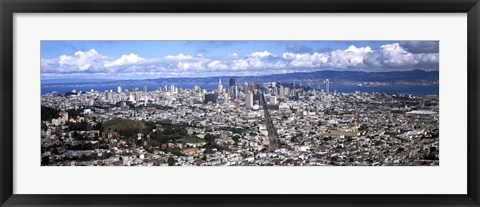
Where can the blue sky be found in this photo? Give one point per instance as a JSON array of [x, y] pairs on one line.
[[153, 59]]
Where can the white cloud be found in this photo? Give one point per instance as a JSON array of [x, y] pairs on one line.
[[125, 60], [179, 57], [386, 57], [217, 65], [261, 54], [80, 61], [306, 60], [395, 56], [349, 58]]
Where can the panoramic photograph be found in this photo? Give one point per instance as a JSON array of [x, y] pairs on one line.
[[239, 103]]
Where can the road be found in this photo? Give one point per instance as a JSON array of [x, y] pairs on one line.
[[272, 131]]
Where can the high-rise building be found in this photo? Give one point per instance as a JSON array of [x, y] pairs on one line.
[[233, 92], [273, 100], [245, 88], [172, 88], [232, 82], [327, 86], [220, 86], [108, 95], [249, 100], [144, 88], [137, 96], [119, 89], [210, 98]]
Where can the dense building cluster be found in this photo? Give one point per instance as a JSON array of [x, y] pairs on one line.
[[268, 124]]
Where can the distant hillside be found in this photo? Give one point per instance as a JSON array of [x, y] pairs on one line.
[[338, 76]]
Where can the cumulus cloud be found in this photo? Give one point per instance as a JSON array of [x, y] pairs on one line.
[[394, 56], [124, 60], [261, 54], [81, 61], [420, 46], [385, 58], [179, 56], [350, 58]]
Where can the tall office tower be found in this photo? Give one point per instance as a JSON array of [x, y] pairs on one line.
[[273, 100], [131, 97], [165, 88], [245, 88], [327, 86], [196, 88], [220, 86], [281, 91], [232, 82], [232, 92], [137, 96], [108, 95], [119, 89], [131, 87], [144, 88], [249, 100], [210, 98], [172, 88]]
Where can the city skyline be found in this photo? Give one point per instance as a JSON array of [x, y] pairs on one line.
[[244, 124], [240, 103], [117, 60]]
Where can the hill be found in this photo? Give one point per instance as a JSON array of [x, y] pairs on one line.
[[124, 127]]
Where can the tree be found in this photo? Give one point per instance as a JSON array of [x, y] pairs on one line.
[[70, 93], [74, 113], [171, 161], [236, 138], [49, 113], [150, 126], [210, 138]]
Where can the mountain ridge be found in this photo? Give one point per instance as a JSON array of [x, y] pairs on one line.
[[354, 76]]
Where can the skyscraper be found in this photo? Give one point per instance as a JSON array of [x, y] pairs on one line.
[[137, 96], [119, 89], [245, 88], [108, 95], [232, 92], [327, 86], [273, 100], [232, 82], [210, 98], [249, 100], [220, 86]]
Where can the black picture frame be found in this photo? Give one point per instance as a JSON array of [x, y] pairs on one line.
[[10, 7]]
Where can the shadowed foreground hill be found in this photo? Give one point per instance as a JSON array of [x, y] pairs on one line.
[[124, 127]]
